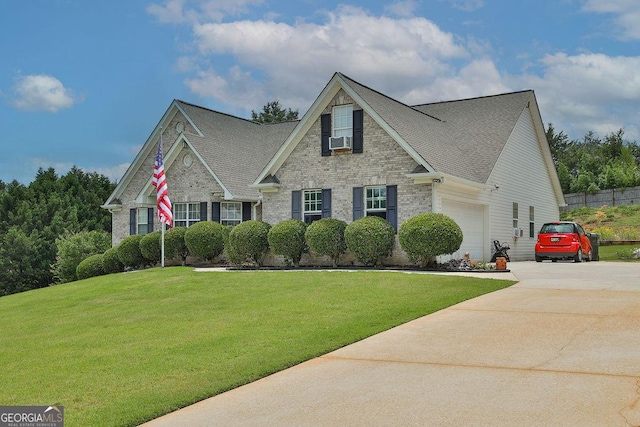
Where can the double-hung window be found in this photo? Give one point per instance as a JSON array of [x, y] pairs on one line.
[[143, 225], [312, 205], [230, 213], [376, 201], [342, 120], [186, 214]]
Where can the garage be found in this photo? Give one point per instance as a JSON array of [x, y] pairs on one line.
[[470, 218]]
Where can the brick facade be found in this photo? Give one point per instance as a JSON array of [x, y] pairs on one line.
[[383, 162]]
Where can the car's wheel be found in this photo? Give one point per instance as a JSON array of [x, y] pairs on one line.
[[589, 256], [538, 258], [554, 260], [578, 257]]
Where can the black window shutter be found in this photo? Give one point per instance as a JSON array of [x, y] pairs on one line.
[[358, 202], [132, 221], [358, 125], [215, 211], [296, 204], [246, 211], [325, 125], [326, 203], [149, 220], [392, 206], [203, 211]]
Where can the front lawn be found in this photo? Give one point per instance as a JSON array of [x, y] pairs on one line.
[[123, 349]]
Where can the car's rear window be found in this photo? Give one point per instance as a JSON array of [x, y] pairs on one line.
[[557, 228]]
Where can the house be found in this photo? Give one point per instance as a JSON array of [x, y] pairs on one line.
[[210, 161], [483, 161]]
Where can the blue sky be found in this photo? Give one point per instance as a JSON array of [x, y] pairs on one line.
[[84, 83]]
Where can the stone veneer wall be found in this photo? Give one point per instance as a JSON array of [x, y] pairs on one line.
[[383, 162], [186, 183]]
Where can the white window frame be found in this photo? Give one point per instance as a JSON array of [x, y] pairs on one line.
[[230, 213], [342, 120], [532, 230], [187, 217], [311, 205], [142, 220], [375, 201]]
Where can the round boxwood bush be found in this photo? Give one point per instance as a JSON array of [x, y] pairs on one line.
[[427, 235], [370, 239], [129, 251], [174, 244], [150, 246], [110, 261], [205, 239], [287, 238], [326, 237], [248, 242], [90, 267]]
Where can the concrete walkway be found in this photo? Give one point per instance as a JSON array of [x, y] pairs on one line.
[[560, 348]]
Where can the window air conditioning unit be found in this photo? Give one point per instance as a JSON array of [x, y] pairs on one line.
[[516, 232], [340, 142]]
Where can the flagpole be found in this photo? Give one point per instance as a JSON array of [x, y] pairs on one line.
[[162, 245]]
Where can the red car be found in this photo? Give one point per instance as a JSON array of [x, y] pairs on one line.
[[563, 240]]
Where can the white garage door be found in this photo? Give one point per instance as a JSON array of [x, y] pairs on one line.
[[470, 218]]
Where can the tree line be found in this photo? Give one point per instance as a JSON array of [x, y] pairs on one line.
[[33, 217], [593, 163]]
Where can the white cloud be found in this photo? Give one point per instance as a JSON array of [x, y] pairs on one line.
[[179, 11], [403, 8], [626, 15], [466, 5], [298, 58], [588, 92], [114, 173], [42, 93]]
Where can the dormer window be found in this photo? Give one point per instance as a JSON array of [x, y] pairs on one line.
[[342, 120]]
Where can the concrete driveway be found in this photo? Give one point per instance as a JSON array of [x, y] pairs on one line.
[[560, 348]]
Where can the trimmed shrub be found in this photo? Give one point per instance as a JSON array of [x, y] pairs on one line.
[[150, 247], [287, 238], [370, 239], [90, 267], [326, 237], [427, 235], [174, 244], [205, 239], [248, 242], [75, 248], [110, 261], [129, 252]]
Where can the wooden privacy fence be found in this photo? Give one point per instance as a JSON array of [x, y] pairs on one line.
[[613, 197]]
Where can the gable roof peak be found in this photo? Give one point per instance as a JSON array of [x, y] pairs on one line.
[[348, 80]]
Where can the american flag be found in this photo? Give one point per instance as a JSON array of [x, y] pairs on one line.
[[162, 192]]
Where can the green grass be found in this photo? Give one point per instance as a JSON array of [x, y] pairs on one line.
[[123, 349], [617, 253], [610, 222]]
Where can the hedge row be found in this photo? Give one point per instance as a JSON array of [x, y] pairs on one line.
[[370, 239]]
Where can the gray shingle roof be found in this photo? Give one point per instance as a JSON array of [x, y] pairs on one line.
[[462, 138], [235, 149]]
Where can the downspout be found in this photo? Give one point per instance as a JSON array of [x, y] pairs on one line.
[[255, 207]]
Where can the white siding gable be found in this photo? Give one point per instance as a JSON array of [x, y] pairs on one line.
[[521, 176]]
